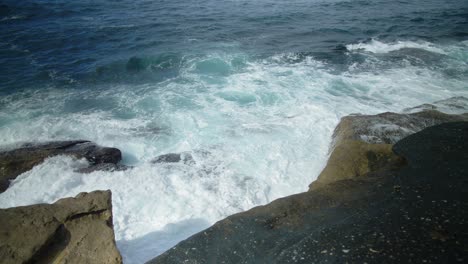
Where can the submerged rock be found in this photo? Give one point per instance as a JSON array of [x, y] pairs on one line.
[[183, 157], [363, 143], [72, 230], [25, 157], [410, 214], [104, 167]]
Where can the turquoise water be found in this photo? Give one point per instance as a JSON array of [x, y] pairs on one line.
[[253, 90]]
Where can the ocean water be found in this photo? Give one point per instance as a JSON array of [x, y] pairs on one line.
[[252, 89]]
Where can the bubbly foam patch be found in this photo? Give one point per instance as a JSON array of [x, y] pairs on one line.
[[258, 130], [376, 46]]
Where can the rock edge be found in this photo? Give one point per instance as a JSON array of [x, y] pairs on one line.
[[72, 230]]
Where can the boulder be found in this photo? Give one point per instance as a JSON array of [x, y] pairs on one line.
[[26, 156], [72, 230], [363, 143], [413, 213]]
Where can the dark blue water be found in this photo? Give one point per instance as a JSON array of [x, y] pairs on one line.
[[251, 89], [63, 42]]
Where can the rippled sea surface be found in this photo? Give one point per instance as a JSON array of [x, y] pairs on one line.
[[252, 89]]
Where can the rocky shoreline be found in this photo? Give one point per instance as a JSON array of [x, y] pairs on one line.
[[363, 143], [388, 194], [72, 230], [393, 190]]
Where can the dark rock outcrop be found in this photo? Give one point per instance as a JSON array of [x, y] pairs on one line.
[[415, 212], [16, 161], [72, 230]]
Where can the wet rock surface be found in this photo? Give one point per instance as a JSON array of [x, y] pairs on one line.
[[416, 212], [72, 230], [453, 105], [183, 157], [363, 143], [25, 157], [104, 167]]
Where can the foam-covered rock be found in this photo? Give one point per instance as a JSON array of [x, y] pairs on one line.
[[72, 230], [183, 157]]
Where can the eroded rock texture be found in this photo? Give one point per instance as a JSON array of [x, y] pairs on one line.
[[72, 230]]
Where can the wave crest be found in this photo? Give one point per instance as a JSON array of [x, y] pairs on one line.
[[376, 46]]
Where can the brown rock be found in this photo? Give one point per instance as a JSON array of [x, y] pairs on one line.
[[363, 143], [72, 230]]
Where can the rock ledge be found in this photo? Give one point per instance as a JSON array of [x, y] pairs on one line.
[[72, 230]]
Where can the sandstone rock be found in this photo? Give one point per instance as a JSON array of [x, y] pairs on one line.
[[72, 230], [363, 143], [411, 214], [16, 161]]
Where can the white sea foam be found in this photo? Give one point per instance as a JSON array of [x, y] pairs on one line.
[[257, 133], [454, 105], [376, 46]]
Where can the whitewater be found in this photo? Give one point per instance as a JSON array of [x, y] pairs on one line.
[[252, 90], [255, 135]]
